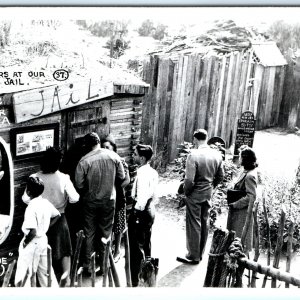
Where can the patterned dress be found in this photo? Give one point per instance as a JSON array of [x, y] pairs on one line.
[[120, 213]]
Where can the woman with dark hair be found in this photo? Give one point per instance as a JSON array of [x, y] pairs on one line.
[[120, 212], [58, 190], [238, 210]]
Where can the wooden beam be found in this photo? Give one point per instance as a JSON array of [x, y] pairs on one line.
[[269, 271]]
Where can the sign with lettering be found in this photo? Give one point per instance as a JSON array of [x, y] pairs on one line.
[[245, 131], [43, 101]]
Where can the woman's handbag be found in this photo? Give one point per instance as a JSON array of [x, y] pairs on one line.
[[235, 195]]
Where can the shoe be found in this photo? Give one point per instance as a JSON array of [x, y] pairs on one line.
[[187, 260]]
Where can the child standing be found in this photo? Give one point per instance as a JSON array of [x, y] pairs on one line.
[[39, 215]]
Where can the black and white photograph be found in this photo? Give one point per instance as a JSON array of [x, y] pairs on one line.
[[150, 147]]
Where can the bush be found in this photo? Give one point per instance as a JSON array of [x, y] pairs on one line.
[[4, 33], [148, 29], [279, 194], [286, 35]]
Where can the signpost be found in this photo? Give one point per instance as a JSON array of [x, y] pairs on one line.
[[245, 131]]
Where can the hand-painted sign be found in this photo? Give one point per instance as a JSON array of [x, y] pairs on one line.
[[39, 102], [245, 131]]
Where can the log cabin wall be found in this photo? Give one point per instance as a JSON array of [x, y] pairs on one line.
[[119, 115]]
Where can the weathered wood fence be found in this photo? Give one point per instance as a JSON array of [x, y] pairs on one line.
[[194, 91], [290, 105]]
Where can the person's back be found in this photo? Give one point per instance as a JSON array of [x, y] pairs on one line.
[[99, 167], [207, 162]]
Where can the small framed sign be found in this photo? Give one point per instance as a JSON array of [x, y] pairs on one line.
[[33, 140]]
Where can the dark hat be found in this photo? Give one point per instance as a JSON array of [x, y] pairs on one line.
[[91, 139], [110, 139]]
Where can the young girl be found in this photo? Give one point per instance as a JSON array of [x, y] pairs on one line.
[[39, 215]]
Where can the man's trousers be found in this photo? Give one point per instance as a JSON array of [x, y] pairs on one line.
[[139, 230]]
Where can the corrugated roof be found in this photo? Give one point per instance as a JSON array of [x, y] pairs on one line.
[[269, 54]]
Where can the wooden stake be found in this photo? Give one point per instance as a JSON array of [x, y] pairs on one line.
[[49, 265], [25, 278], [289, 250], [268, 238], [127, 259], [106, 259], [93, 263], [113, 269], [256, 234], [33, 280], [269, 271], [8, 273], [79, 277], [110, 278], [63, 279], [80, 237], [278, 245]]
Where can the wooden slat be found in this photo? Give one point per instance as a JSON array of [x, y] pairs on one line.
[[280, 93], [168, 103], [233, 99], [227, 97], [259, 70], [236, 100], [188, 94], [270, 97], [223, 96], [174, 109], [191, 113], [213, 90], [203, 94], [180, 127], [219, 94], [246, 99]]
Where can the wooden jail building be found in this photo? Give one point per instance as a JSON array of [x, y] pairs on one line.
[[59, 114]]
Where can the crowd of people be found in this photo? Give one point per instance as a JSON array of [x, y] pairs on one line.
[[98, 183]]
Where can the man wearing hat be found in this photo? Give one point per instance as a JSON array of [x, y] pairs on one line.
[[95, 176]]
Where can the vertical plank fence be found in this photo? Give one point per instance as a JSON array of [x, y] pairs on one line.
[[195, 91]]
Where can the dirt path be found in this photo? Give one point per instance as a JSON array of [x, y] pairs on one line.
[[278, 154]]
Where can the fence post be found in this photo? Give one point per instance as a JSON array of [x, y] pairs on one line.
[[80, 237], [278, 245], [268, 238], [256, 234], [289, 250], [49, 265]]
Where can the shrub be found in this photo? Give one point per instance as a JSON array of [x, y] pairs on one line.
[[4, 33], [279, 194], [149, 29]]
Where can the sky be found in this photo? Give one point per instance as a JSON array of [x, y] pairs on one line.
[[171, 16]]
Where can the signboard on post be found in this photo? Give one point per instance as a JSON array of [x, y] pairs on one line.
[[245, 131]]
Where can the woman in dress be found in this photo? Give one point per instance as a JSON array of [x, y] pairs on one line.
[[120, 212], [59, 190], [241, 209]]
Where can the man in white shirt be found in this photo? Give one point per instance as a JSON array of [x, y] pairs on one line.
[[39, 215], [140, 222]]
